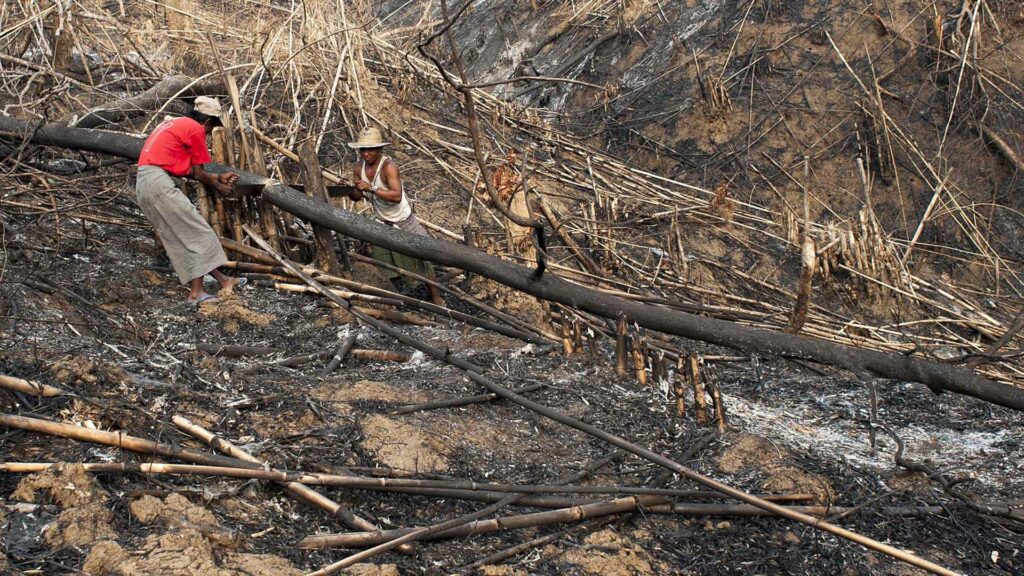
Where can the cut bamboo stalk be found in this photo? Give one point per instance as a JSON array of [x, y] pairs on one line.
[[228, 210], [678, 385], [342, 351], [582, 512], [620, 346], [245, 161], [258, 166], [700, 402], [244, 250], [460, 489], [567, 346], [808, 260], [639, 353], [717, 405], [303, 289], [302, 492], [659, 371], [380, 355], [206, 210], [29, 387]]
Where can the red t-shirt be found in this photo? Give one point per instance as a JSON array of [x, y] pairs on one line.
[[176, 145]]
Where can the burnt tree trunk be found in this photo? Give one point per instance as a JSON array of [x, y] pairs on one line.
[[938, 377]]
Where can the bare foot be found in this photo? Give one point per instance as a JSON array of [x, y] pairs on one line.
[[230, 283]]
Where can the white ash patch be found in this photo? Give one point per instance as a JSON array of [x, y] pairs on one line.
[[839, 438]]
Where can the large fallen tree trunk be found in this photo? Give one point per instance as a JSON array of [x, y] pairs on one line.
[[938, 377], [148, 101]]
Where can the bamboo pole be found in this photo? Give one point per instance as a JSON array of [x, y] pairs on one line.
[[447, 488], [574, 514], [717, 405], [464, 401], [228, 211], [119, 440], [30, 387], [380, 355], [258, 166], [300, 491], [808, 260], [639, 352]]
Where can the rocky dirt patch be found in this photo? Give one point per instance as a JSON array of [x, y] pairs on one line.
[[233, 312], [403, 446], [175, 511], [749, 453], [611, 554]]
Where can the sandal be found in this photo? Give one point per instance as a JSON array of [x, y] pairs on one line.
[[205, 298]]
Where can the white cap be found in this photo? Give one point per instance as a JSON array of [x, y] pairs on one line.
[[208, 106]]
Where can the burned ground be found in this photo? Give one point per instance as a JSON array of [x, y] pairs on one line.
[[791, 431], [680, 199]]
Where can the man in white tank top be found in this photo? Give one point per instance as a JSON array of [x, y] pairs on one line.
[[376, 176]]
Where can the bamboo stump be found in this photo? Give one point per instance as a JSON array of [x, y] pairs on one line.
[[620, 346], [679, 386], [268, 223], [808, 260], [324, 257], [700, 401], [226, 210]]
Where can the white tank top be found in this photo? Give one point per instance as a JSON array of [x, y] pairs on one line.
[[387, 211]]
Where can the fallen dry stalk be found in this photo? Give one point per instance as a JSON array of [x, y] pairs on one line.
[[29, 387], [119, 440], [300, 491], [574, 514]]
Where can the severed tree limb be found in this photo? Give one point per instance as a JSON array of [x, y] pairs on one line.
[[150, 100], [936, 376]]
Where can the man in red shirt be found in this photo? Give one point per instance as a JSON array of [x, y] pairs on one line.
[[177, 148]]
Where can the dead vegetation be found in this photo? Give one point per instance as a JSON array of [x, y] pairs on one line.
[[688, 169]]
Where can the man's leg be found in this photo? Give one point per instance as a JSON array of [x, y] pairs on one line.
[[225, 281], [195, 289]]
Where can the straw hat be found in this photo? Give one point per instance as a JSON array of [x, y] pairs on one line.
[[369, 138], [208, 106]]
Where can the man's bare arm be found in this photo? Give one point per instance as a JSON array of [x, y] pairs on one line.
[[391, 184], [220, 182], [356, 193]]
